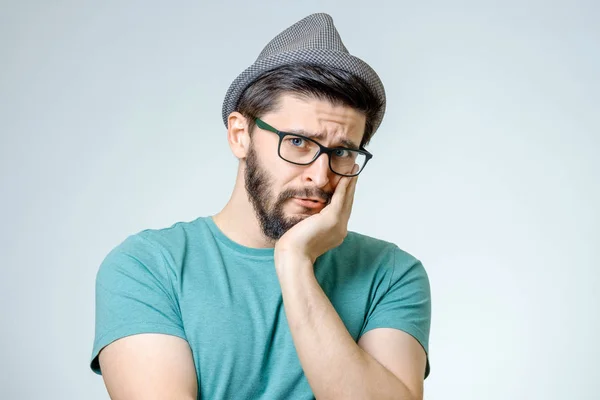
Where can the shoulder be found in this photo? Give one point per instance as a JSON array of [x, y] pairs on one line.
[[366, 248], [155, 250], [171, 240], [174, 236]]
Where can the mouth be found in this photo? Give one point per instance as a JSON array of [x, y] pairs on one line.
[[314, 199], [309, 202]]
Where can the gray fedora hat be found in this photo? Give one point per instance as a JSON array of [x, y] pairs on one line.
[[314, 40]]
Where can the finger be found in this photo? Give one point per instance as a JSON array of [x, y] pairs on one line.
[[340, 195], [344, 193], [349, 200], [337, 200], [350, 191]]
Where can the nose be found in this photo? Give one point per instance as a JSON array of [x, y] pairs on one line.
[[318, 172]]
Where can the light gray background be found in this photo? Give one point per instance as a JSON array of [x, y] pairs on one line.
[[486, 168]]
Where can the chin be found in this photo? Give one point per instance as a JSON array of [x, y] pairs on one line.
[[300, 214], [296, 217], [302, 211]]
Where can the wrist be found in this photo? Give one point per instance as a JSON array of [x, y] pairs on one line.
[[292, 260], [292, 255]]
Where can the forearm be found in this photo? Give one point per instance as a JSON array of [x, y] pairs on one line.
[[335, 366]]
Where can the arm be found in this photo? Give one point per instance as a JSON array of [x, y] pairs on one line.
[[386, 364], [140, 346], [149, 366]]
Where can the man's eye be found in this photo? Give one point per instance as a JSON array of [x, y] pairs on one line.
[[298, 142], [341, 153]]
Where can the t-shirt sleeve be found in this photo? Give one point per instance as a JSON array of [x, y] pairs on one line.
[[134, 294], [406, 305]]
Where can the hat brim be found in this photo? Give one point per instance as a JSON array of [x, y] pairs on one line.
[[325, 57]]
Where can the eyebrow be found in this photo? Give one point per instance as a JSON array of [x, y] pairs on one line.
[[346, 142]]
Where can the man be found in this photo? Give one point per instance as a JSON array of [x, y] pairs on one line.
[[272, 298]]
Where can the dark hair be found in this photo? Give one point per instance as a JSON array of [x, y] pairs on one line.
[[324, 83]]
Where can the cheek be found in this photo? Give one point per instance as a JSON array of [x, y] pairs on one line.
[[335, 180], [288, 176], [283, 174]]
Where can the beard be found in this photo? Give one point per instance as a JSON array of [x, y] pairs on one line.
[[268, 208]]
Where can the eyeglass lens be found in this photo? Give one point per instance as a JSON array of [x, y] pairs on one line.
[[301, 151]]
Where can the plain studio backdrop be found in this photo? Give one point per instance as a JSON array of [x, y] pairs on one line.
[[486, 168]]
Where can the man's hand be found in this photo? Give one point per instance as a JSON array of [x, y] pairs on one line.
[[323, 231], [335, 366]]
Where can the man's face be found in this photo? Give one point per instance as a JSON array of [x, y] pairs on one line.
[[282, 193]]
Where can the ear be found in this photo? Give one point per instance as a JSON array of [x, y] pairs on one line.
[[238, 135]]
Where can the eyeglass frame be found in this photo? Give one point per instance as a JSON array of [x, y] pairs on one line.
[[322, 149]]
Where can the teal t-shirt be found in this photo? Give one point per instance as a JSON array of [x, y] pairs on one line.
[[192, 281]]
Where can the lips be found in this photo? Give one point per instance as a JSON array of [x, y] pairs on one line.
[[315, 199], [309, 202]]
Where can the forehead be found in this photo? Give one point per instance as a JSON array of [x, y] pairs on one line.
[[332, 125]]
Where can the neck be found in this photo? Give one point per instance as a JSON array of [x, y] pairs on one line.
[[238, 221]]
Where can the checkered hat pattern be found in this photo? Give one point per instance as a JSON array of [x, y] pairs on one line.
[[313, 40]]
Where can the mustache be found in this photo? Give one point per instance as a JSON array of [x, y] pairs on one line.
[[306, 192]]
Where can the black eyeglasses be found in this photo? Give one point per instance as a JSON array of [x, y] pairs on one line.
[[302, 150]]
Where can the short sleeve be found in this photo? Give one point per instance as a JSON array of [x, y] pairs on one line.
[[134, 294], [406, 305]]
